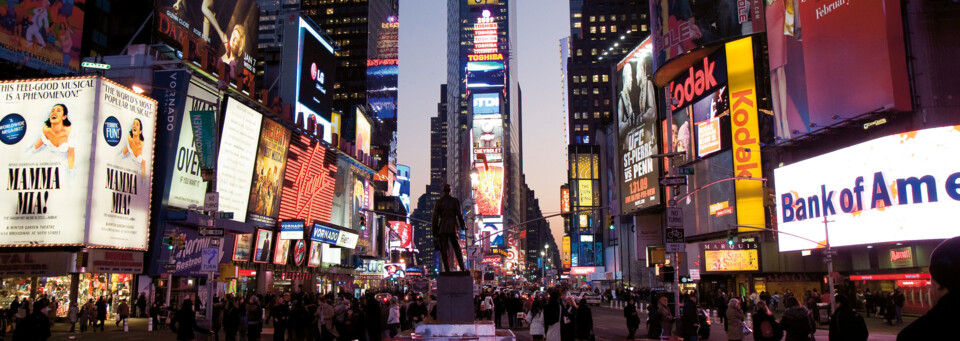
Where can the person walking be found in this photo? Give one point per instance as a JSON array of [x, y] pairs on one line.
[[535, 320], [373, 313], [85, 315], [216, 323], [846, 324], [584, 321], [890, 308], [279, 315], [765, 326], [552, 316], [939, 322], [101, 313], [499, 306], [393, 318], [142, 305], [721, 304], [633, 318], [184, 323], [665, 315], [898, 300], [74, 315], [568, 319], [123, 311], [735, 318], [254, 319], [231, 319], [690, 319], [797, 321]]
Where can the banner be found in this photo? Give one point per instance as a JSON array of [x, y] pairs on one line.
[[383, 36], [745, 130], [242, 246], [565, 253], [680, 26], [404, 231], [261, 251], [238, 150], [309, 181], [637, 128], [114, 261], [50, 31], [183, 183], [721, 257], [271, 161], [205, 133]]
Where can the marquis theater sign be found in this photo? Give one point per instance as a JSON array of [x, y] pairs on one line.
[[722, 257], [895, 188]]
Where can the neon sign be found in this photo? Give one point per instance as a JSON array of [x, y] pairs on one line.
[[310, 169]]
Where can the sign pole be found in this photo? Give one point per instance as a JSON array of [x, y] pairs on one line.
[[829, 260]]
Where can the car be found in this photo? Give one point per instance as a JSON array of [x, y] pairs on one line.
[[592, 298], [384, 297]]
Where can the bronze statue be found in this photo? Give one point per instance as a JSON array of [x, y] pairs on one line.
[[447, 222]]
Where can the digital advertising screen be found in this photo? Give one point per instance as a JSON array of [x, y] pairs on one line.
[[492, 228], [261, 251], [894, 188], [316, 74], [213, 33], [486, 75], [242, 247], [271, 160], [184, 185], [383, 35], [713, 208], [488, 137], [282, 251], [489, 193], [362, 138], [486, 104], [637, 127], [722, 257], [238, 153], [403, 231], [313, 260], [811, 88], [680, 26], [49, 31], [309, 181], [59, 153]]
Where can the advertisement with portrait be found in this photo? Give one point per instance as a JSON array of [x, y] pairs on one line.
[[261, 250], [281, 252], [488, 194], [242, 247], [235, 161], [402, 231], [637, 128], [313, 260], [211, 33], [486, 75], [308, 182], [122, 168], [680, 26], [188, 260], [383, 35], [185, 186], [722, 257], [362, 138], [811, 88], [264, 203], [60, 138], [713, 208], [565, 252], [891, 189], [587, 252], [49, 31]]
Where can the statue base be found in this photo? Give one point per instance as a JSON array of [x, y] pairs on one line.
[[455, 297], [479, 330]]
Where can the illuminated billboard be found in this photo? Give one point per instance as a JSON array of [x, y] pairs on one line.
[[745, 123], [281, 251], [492, 229], [488, 138], [564, 200], [383, 35], [812, 88], [680, 26], [722, 257], [362, 138], [211, 34], [308, 68], [309, 181], [49, 31], [486, 75], [183, 185], [637, 127], [264, 203], [78, 163], [242, 247], [261, 250], [235, 161], [565, 252], [486, 104], [403, 232], [489, 192], [895, 188]]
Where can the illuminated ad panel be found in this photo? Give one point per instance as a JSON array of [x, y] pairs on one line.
[[383, 29], [48, 31], [235, 161], [184, 185], [308, 182], [66, 142], [403, 233], [488, 138], [486, 75], [315, 81], [637, 126], [894, 188], [565, 252], [485, 34], [362, 138], [264, 203], [680, 26], [492, 230], [745, 125], [722, 257], [489, 192], [212, 34]]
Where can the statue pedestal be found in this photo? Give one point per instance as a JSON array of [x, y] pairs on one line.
[[480, 330], [455, 298]]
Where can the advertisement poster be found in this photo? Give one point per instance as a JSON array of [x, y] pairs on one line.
[[362, 138], [268, 174], [745, 122], [712, 209], [720, 257], [261, 252], [680, 26], [188, 260], [123, 168], [895, 188], [812, 88], [314, 259], [238, 151], [637, 126], [565, 253], [489, 192], [486, 75], [185, 187], [308, 182], [213, 33], [708, 137], [316, 75], [564, 200], [404, 232], [281, 251], [493, 229], [383, 35], [488, 137], [49, 31], [241, 249]]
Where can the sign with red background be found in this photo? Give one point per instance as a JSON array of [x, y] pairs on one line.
[[308, 183]]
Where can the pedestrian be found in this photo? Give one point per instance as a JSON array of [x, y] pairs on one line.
[[393, 318], [325, 312], [552, 316], [279, 315], [85, 315], [890, 308], [939, 322], [499, 306], [633, 318], [142, 305], [155, 315], [486, 309], [299, 319], [417, 312], [584, 321], [665, 316], [231, 319], [846, 323], [254, 318], [35, 326], [217, 319], [74, 315], [535, 320], [123, 312], [373, 312], [721, 304], [568, 320], [101, 313], [797, 321], [184, 323], [690, 319], [765, 326], [898, 300], [870, 303], [735, 318]]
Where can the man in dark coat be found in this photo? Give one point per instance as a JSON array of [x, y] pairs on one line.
[[690, 319], [939, 323], [447, 222], [374, 315], [846, 323], [633, 319]]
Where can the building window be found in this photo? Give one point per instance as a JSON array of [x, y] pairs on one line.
[[576, 80], [596, 78], [579, 52], [596, 91], [606, 114], [644, 27], [606, 101], [606, 78], [593, 29], [593, 52], [586, 127], [602, 18], [633, 27], [613, 28], [603, 29], [329, 11], [583, 79], [596, 114], [576, 127], [593, 18], [576, 92], [576, 116]]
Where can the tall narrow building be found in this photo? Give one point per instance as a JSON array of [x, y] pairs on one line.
[[423, 234]]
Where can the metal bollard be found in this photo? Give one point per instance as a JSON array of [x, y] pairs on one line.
[[126, 327], [150, 324]]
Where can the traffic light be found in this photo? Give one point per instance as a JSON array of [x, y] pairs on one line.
[[612, 226], [730, 235], [363, 222], [666, 274]]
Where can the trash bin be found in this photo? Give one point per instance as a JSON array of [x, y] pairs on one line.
[[823, 309]]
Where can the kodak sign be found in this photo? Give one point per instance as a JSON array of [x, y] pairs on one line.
[[745, 132], [701, 79]]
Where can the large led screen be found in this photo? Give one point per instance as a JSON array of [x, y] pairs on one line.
[[383, 35], [895, 188], [491, 229], [486, 75], [49, 31], [316, 74], [489, 191], [235, 161], [637, 126], [69, 142], [488, 137], [308, 182], [811, 87], [264, 203], [680, 26], [212, 33], [362, 138]]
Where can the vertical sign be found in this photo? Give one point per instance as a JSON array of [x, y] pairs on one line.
[[205, 135], [745, 132]]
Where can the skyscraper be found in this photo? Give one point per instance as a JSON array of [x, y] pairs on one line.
[[423, 234]]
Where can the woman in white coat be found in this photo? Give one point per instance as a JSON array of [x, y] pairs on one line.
[[535, 320]]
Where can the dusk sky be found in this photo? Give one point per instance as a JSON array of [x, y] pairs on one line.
[[423, 61]]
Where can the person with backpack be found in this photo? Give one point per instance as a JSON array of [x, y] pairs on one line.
[[846, 324], [765, 326], [633, 318], [797, 321]]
